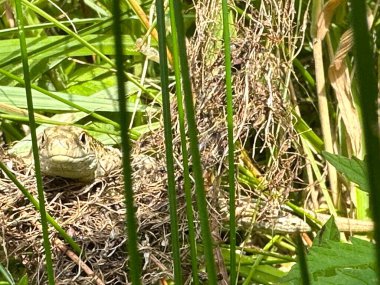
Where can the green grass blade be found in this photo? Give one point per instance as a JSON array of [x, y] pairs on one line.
[[11, 31], [302, 261], [56, 46], [168, 141], [6, 275], [67, 30], [28, 90], [260, 257], [185, 156], [193, 139], [79, 38], [307, 133], [15, 96], [131, 223], [56, 97], [230, 127], [368, 102]]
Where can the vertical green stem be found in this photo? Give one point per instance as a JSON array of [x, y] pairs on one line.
[[131, 224], [230, 127], [32, 122], [185, 157], [368, 100], [168, 141], [194, 150]]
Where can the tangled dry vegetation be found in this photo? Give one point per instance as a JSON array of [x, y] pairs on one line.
[[94, 215]]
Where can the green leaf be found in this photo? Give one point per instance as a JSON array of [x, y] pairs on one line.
[[328, 232], [5, 274], [354, 169], [53, 46], [105, 100], [333, 262], [88, 80], [350, 276]]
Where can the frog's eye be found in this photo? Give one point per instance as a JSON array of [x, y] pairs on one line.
[[83, 138]]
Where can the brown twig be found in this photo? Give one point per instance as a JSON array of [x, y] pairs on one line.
[[62, 247]]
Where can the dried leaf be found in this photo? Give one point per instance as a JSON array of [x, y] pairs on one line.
[[341, 82], [325, 17]]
